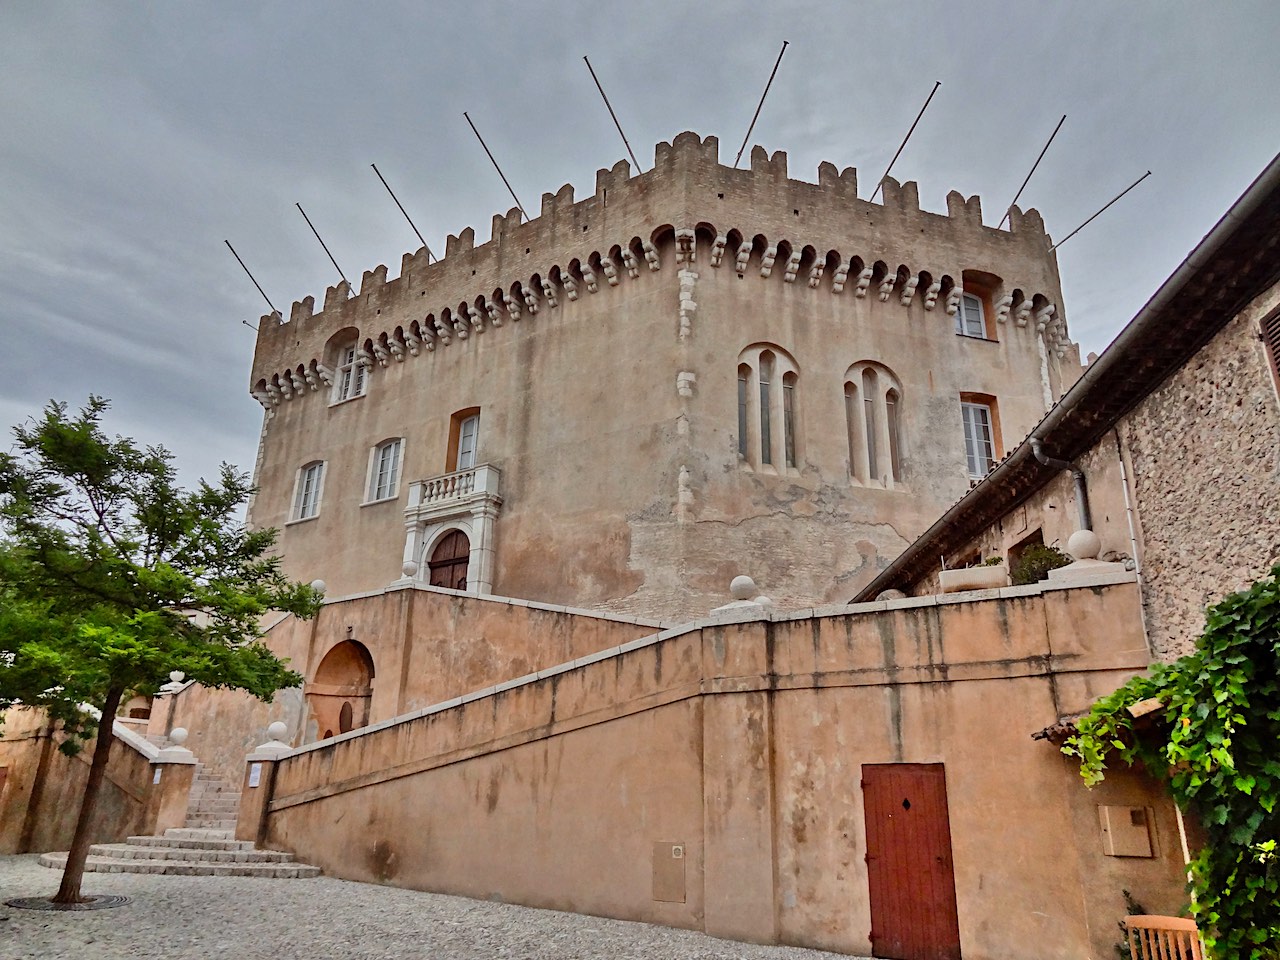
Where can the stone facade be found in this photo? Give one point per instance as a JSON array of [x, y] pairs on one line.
[[604, 346], [1205, 448], [1185, 487]]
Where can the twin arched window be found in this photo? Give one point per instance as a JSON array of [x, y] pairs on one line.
[[767, 378], [872, 407]]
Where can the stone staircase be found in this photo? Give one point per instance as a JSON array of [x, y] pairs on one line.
[[214, 802], [206, 846]]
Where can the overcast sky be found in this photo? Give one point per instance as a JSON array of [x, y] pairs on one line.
[[135, 138]]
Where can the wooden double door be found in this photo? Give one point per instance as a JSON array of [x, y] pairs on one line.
[[910, 877]]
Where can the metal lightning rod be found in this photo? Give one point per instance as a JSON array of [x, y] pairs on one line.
[[760, 104], [495, 165], [614, 115], [1099, 213], [936, 85], [1014, 202], [430, 255], [326, 249], [255, 282]]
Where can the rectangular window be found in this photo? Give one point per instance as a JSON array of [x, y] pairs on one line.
[[979, 447], [1270, 330], [969, 319], [350, 381], [742, 413], [386, 471], [468, 435], [789, 418], [306, 498]]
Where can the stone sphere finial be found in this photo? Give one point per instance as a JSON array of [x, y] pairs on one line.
[[178, 736], [177, 676], [409, 569], [1084, 545], [277, 729], [742, 588], [763, 600], [319, 586]]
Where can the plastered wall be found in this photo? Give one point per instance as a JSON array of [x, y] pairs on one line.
[[744, 743]]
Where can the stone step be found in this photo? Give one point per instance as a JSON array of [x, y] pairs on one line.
[[228, 825], [190, 844], [185, 869], [216, 806], [126, 851], [199, 833]]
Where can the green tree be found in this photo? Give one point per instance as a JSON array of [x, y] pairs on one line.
[[1218, 748], [111, 576]]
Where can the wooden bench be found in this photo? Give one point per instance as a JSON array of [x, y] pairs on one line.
[[1163, 938]]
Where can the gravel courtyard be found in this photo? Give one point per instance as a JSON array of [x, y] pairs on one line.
[[243, 918]]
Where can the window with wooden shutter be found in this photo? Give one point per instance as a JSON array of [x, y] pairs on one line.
[[1271, 338]]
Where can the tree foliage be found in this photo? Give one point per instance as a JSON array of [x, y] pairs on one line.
[[1220, 747], [111, 576]]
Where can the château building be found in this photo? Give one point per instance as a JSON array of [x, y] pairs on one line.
[[618, 404]]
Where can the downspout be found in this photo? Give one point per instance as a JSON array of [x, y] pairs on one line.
[[1082, 487]]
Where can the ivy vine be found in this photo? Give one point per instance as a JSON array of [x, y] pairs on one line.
[[1219, 750]]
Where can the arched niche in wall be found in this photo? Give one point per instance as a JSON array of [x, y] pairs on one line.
[[340, 693]]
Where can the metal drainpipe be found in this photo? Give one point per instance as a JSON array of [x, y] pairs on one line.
[[1082, 488]]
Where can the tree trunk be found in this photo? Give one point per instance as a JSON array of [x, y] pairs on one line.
[[69, 891]]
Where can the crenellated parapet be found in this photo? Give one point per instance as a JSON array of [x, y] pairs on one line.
[[688, 210]]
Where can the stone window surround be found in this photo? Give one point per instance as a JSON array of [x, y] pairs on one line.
[[888, 473], [786, 374]]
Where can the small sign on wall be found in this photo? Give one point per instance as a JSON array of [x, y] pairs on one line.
[[155, 777], [255, 774]]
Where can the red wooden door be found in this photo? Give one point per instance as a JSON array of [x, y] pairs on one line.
[[909, 873]]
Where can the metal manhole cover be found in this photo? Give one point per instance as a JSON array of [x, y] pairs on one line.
[[100, 902]]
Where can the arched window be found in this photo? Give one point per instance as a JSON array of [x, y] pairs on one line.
[[873, 411], [449, 561], [768, 408]]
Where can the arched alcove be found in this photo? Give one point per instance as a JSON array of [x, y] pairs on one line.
[[339, 695]]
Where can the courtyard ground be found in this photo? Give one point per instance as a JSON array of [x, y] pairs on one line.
[[245, 918]]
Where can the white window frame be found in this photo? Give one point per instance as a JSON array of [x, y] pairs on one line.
[[308, 491], [971, 319], [351, 378], [383, 482], [467, 457], [978, 450]]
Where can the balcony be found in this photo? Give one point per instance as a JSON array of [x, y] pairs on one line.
[[454, 492], [465, 500]]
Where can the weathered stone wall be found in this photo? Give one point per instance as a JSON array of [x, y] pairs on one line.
[[612, 410], [1206, 454]]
